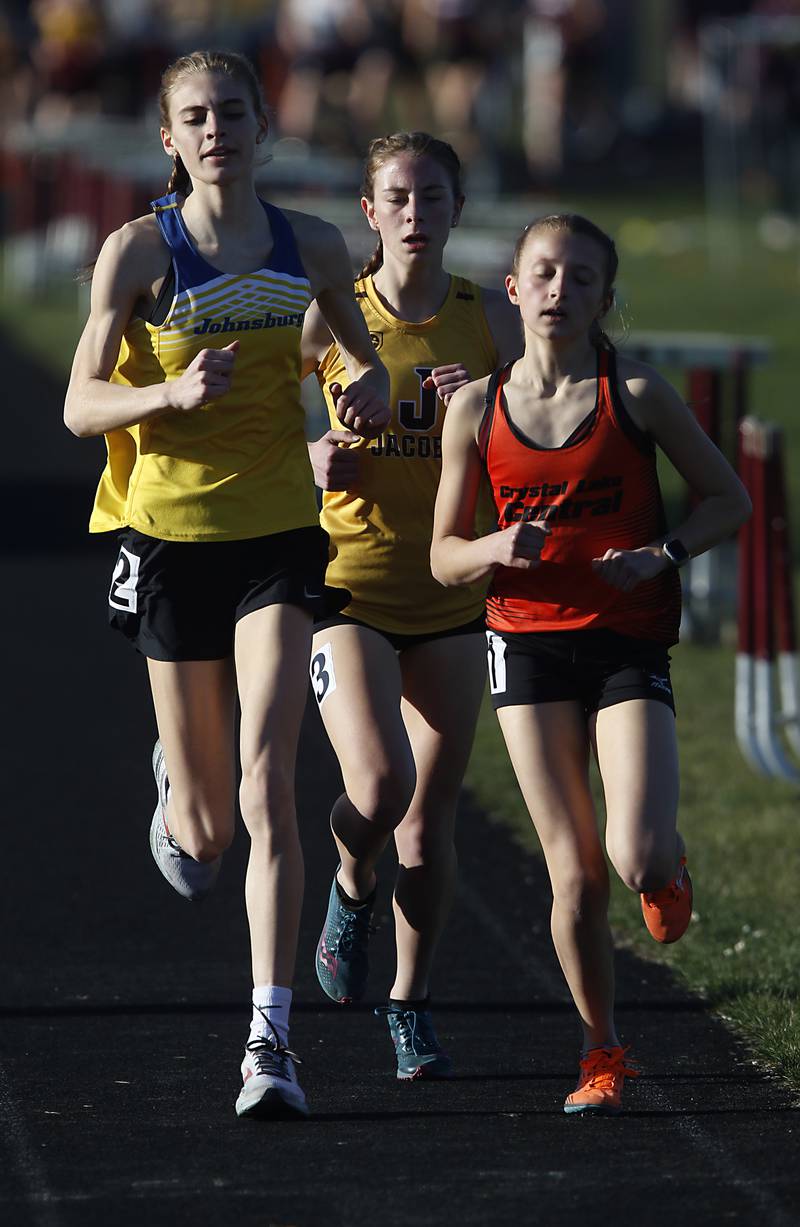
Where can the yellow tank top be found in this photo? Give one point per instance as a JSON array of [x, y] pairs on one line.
[[236, 467], [381, 533]]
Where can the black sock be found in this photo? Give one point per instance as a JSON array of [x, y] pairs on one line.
[[421, 1003], [354, 904]]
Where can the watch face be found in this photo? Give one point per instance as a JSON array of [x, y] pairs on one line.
[[676, 552]]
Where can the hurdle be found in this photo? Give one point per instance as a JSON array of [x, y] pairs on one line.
[[766, 622], [717, 369]]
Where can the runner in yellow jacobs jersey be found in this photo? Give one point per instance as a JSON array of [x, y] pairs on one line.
[[398, 675], [189, 364]]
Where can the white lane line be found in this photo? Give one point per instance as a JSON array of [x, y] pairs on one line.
[[25, 1159], [730, 1167]]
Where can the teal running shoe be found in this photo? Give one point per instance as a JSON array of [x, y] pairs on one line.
[[418, 1051], [342, 962]]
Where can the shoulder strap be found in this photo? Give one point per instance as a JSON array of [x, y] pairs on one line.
[[190, 267], [496, 382], [166, 209], [607, 366], [285, 256]]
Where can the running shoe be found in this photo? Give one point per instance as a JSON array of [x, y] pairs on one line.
[[667, 912], [190, 878], [342, 962], [418, 1051], [270, 1090], [602, 1077]]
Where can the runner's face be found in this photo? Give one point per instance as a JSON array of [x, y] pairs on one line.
[[214, 127], [560, 284], [414, 208]]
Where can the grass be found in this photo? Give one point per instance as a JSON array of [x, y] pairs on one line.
[[740, 953]]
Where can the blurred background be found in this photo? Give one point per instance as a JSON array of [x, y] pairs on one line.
[[673, 123]]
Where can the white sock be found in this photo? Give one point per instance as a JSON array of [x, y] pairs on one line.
[[275, 1003]]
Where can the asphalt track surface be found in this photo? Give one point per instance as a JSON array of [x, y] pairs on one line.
[[124, 1009]]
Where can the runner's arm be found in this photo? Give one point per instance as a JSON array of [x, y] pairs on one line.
[[723, 501], [457, 555], [93, 405], [362, 404]]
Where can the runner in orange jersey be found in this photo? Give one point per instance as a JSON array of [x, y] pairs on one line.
[[584, 602]]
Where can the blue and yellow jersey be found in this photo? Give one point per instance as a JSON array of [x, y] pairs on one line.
[[238, 466], [381, 532]]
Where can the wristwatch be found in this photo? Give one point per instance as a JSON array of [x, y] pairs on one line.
[[675, 552]]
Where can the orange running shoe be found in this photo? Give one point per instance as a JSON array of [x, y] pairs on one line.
[[602, 1076], [667, 912]]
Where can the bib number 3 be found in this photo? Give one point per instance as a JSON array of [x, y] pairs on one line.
[[323, 676]]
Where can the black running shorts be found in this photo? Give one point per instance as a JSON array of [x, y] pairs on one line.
[[181, 600], [598, 668]]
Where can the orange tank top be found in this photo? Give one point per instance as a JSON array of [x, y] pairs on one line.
[[599, 490]]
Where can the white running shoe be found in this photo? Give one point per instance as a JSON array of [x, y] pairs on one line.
[[270, 1090], [190, 878]]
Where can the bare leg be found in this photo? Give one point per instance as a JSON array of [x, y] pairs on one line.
[[549, 748], [443, 682], [195, 704], [362, 719], [272, 650], [638, 759]]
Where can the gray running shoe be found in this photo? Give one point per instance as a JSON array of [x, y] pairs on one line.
[[270, 1089], [418, 1051], [190, 878], [342, 962]]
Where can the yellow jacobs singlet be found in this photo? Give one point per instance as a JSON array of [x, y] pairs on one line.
[[236, 467], [381, 533]]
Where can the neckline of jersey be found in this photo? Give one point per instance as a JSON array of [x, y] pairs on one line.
[[218, 272], [585, 428], [408, 325]]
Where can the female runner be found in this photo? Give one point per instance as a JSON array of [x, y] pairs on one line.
[[189, 365], [584, 602], [399, 674]]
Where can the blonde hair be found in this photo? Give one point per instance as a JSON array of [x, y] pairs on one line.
[[228, 62]]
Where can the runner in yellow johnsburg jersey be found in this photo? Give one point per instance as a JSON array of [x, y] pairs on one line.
[[189, 365]]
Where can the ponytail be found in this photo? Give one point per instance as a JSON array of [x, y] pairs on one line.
[[179, 180], [373, 263], [601, 339]]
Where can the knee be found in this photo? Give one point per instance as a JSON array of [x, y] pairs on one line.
[[582, 890], [205, 832], [425, 839], [645, 868], [266, 798], [384, 796]]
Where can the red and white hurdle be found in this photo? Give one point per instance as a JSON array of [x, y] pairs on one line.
[[718, 373], [767, 718]]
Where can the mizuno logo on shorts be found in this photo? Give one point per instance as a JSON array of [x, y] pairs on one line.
[[497, 662]]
